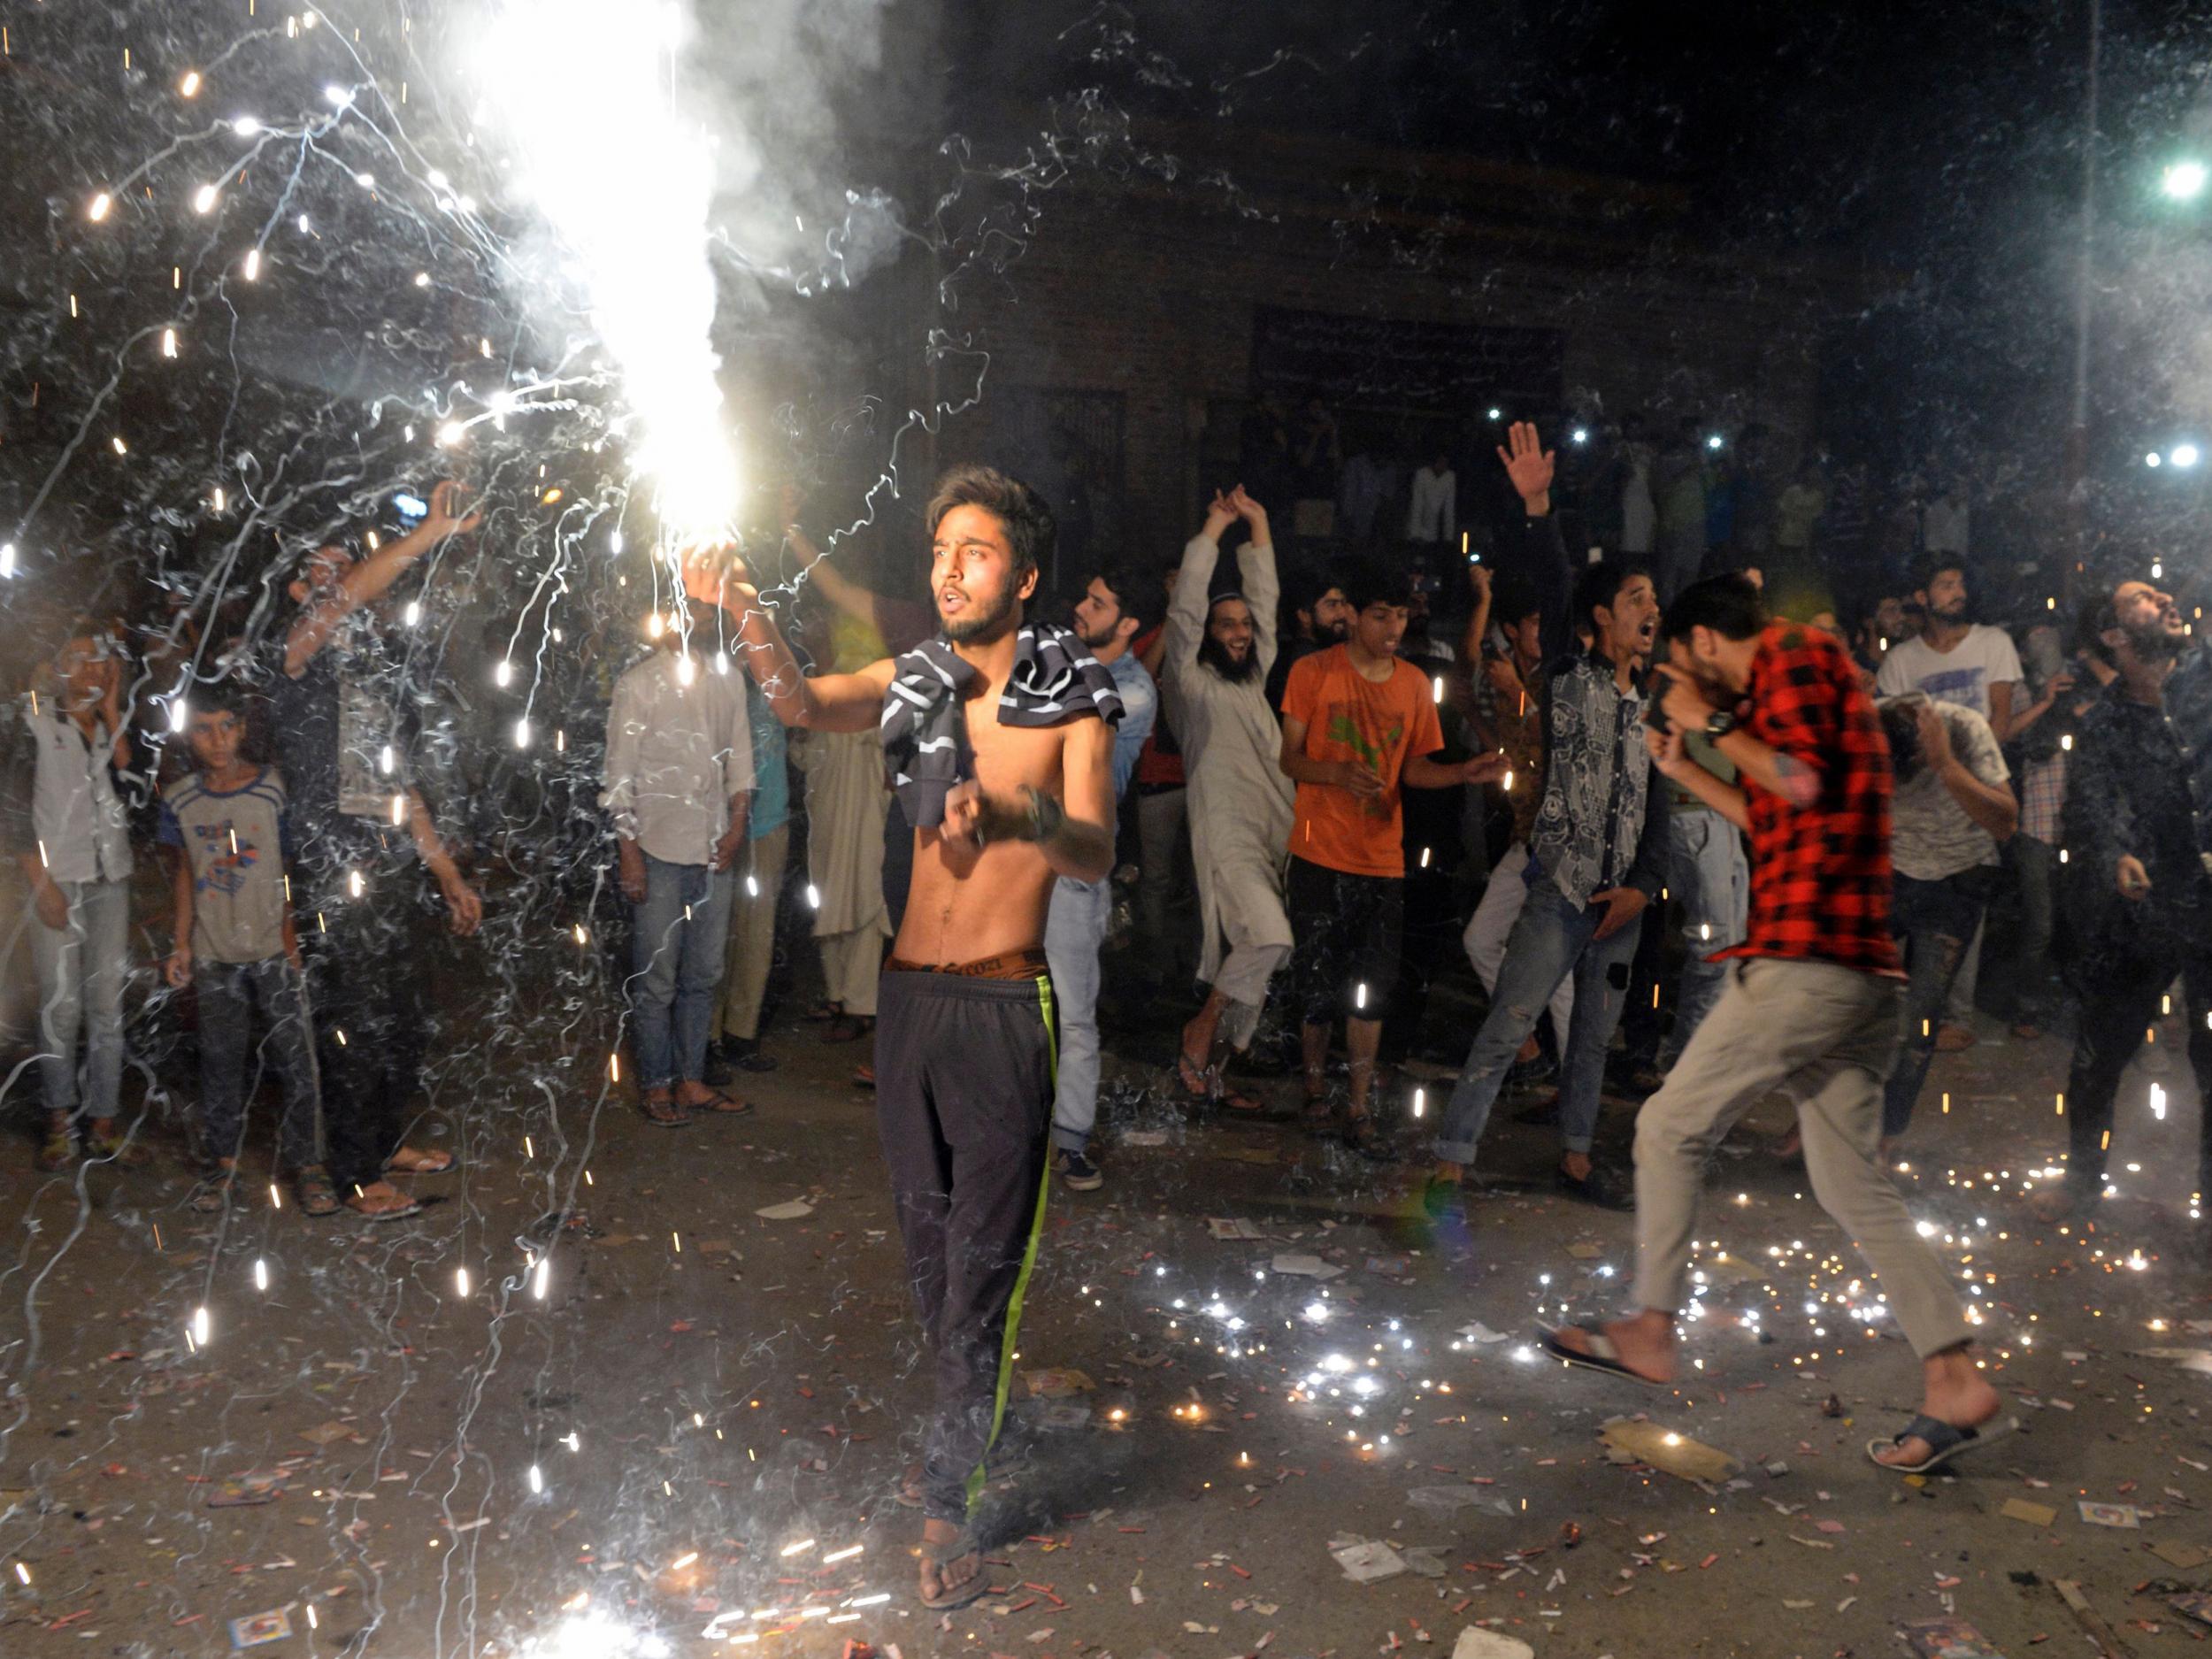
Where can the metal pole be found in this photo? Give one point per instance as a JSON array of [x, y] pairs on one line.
[[2078, 430]]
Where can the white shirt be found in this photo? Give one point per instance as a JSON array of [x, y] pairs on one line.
[[1931, 838], [1963, 675], [676, 753], [84, 832], [1434, 514]]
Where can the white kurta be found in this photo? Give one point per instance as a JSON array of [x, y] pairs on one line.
[[846, 804], [1239, 800]]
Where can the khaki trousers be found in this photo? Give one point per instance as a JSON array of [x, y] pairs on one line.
[[751, 952], [1826, 1035]]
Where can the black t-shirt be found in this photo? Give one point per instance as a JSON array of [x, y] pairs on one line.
[[340, 746]]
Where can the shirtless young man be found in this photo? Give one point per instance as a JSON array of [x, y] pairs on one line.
[[1022, 794]]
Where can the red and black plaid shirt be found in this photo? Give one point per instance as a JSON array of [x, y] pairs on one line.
[[1820, 874]]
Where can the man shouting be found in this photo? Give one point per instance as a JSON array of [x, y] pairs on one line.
[[998, 737]]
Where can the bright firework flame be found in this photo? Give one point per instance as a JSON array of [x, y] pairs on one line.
[[626, 183]]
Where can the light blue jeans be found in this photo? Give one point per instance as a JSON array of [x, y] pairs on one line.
[[1075, 928], [82, 966], [676, 939], [1708, 877], [1553, 938]]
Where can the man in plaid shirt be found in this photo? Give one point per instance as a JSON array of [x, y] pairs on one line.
[[1811, 1002]]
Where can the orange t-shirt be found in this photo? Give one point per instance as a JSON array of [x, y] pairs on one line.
[[1377, 723]]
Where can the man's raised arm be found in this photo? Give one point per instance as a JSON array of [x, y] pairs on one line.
[[1187, 605], [822, 702], [1263, 587], [367, 581]]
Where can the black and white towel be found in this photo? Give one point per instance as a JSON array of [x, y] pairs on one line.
[[925, 728]]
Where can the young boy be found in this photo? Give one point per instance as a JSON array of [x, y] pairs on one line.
[[235, 939]]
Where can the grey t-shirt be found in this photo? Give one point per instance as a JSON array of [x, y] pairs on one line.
[[237, 843], [1930, 836]]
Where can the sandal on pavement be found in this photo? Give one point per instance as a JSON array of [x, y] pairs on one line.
[[1602, 1355], [440, 1163], [1207, 1084], [848, 1028], [962, 1543], [1362, 1136], [211, 1195], [863, 1077], [822, 1011], [313, 1187], [666, 1114], [1945, 1441], [724, 1103], [58, 1151], [112, 1145]]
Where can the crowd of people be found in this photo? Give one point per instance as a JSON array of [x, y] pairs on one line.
[[1683, 809]]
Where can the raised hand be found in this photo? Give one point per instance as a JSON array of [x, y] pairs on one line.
[[1247, 509], [1220, 514], [1529, 466], [446, 516]]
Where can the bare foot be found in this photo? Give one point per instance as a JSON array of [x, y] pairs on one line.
[[1577, 1164], [380, 1198], [1644, 1343], [943, 1580], [1955, 1391], [1790, 1146], [412, 1160]]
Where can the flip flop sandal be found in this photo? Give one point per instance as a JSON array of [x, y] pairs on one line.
[[952, 1550], [1362, 1136], [1208, 1085], [119, 1149], [57, 1152], [451, 1164], [316, 1196], [1945, 1441], [845, 1028], [1602, 1356], [212, 1196], [666, 1114], [863, 1077], [725, 1104], [822, 1011]]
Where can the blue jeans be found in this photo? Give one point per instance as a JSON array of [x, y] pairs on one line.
[[1075, 926], [677, 938], [1708, 877], [82, 966], [230, 993], [1934, 921], [1553, 938]]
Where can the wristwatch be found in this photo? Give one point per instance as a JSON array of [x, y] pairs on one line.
[[1718, 725]]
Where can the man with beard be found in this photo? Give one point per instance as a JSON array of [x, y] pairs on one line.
[[996, 735], [1320, 617], [1219, 647], [1976, 667], [1117, 604], [2138, 824], [1811, 1006], [1597, 855]]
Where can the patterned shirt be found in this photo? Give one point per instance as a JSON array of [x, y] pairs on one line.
[[1600, 825], [1820, 873]]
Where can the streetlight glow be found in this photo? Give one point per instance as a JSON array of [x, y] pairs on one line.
[[2184, 181], [2183, 455]]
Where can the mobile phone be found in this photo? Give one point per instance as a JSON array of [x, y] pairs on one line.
[[412, 508]]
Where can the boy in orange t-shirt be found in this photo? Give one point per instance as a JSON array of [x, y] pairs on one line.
[[1359, 725]]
